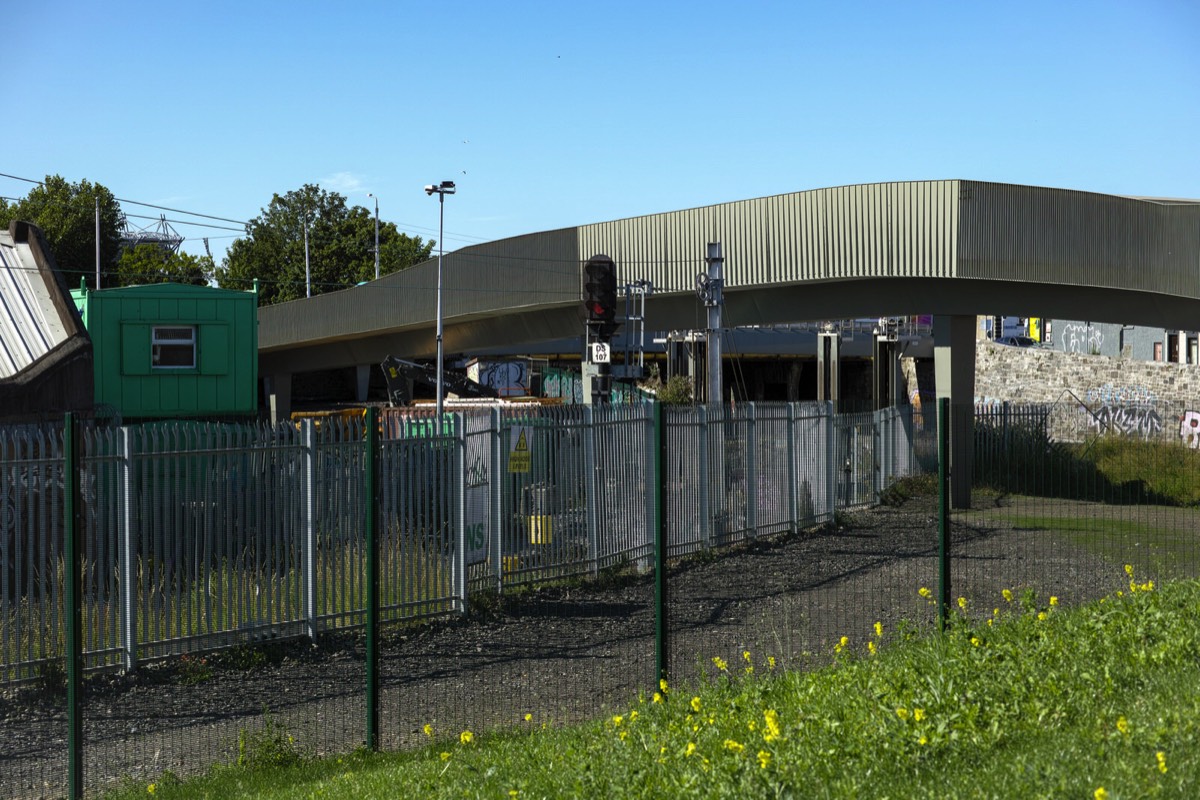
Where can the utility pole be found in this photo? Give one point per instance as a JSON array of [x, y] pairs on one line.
[[370, 194], [97, 198]]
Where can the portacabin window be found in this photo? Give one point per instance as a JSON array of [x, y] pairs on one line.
[[173, 347]]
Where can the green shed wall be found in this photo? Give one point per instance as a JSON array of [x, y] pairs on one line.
[[225, 379]]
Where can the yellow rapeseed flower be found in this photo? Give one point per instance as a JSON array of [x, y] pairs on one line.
[[771, 718], [902, 712], [1123, 725], [975, 642], [878, 629], [152, 788], [1129, 570], [529, 717], [771, 662], [962, 603], [871, 648], [691, 748], [633, 715], [734, 746], [924, 740], [918, 714], [658, 698], [1053, 600], [1100, 794], [428, 729], [1041, 616], [444, 756], [764, 758], [696, 704], [1007, 595], [1162, 761], [720, 663], [466, 737], [662, 685], [841, 645], [746, 656], [924, 592], [617, 720]]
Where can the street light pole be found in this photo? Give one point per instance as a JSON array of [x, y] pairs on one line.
[[442, 189], [370, 194]]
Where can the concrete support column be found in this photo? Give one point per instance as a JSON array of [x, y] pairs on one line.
[[278, 389], [1182, 347], [885, 369], [362, 382], [954, 377], [829, 353]]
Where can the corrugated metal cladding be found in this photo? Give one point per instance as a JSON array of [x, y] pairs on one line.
[[536, 269], [870, 230], [29, 323], [1078, 238]]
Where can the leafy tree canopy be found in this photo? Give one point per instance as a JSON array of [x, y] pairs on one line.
[[66, 213], [149, 263], [341, 243]]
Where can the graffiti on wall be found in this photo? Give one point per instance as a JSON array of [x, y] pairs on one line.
[[1081, 339], [1109, 395], [1189, 429], [1141, 421], [508, 378]]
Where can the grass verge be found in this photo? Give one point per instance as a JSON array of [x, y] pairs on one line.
[[1036, 701]]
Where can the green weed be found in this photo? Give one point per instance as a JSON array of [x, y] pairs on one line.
[[1029, 701]]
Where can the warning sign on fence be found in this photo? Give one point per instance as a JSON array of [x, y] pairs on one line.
[[518, 457]]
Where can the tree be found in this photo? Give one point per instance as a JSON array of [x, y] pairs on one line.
[[149, 263], [341, 243], [66, 213]]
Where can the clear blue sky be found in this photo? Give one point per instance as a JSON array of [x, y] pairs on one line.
[[554, 114]]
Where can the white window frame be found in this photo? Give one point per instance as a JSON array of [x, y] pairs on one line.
[[172, 336]]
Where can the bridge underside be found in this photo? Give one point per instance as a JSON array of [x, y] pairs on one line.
[[778, 304]]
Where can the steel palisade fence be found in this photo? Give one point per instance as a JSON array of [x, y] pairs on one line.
[[199, 536]]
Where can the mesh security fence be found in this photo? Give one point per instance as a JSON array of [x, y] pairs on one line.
[[225, 569]]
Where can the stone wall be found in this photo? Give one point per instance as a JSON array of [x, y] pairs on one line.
[[1091, 393]]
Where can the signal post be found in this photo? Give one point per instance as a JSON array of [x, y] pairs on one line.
[[600, 305]]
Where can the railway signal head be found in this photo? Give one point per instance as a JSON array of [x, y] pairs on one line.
[[600, 289]]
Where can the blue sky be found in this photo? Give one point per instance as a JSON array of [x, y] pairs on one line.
[[554, 114]]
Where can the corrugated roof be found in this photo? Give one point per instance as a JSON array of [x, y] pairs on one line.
[[30, 323]]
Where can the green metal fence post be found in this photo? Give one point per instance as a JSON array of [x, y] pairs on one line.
[[943, 429], [74, 622], [372, 577], [661, 630]]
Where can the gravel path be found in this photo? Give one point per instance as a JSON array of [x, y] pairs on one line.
[[558, 654]]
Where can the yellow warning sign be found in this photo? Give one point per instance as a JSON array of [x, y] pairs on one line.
[[518, 458]]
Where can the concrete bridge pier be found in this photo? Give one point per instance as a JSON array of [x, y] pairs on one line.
[[362, 382], [278, 390], [954, 377]]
